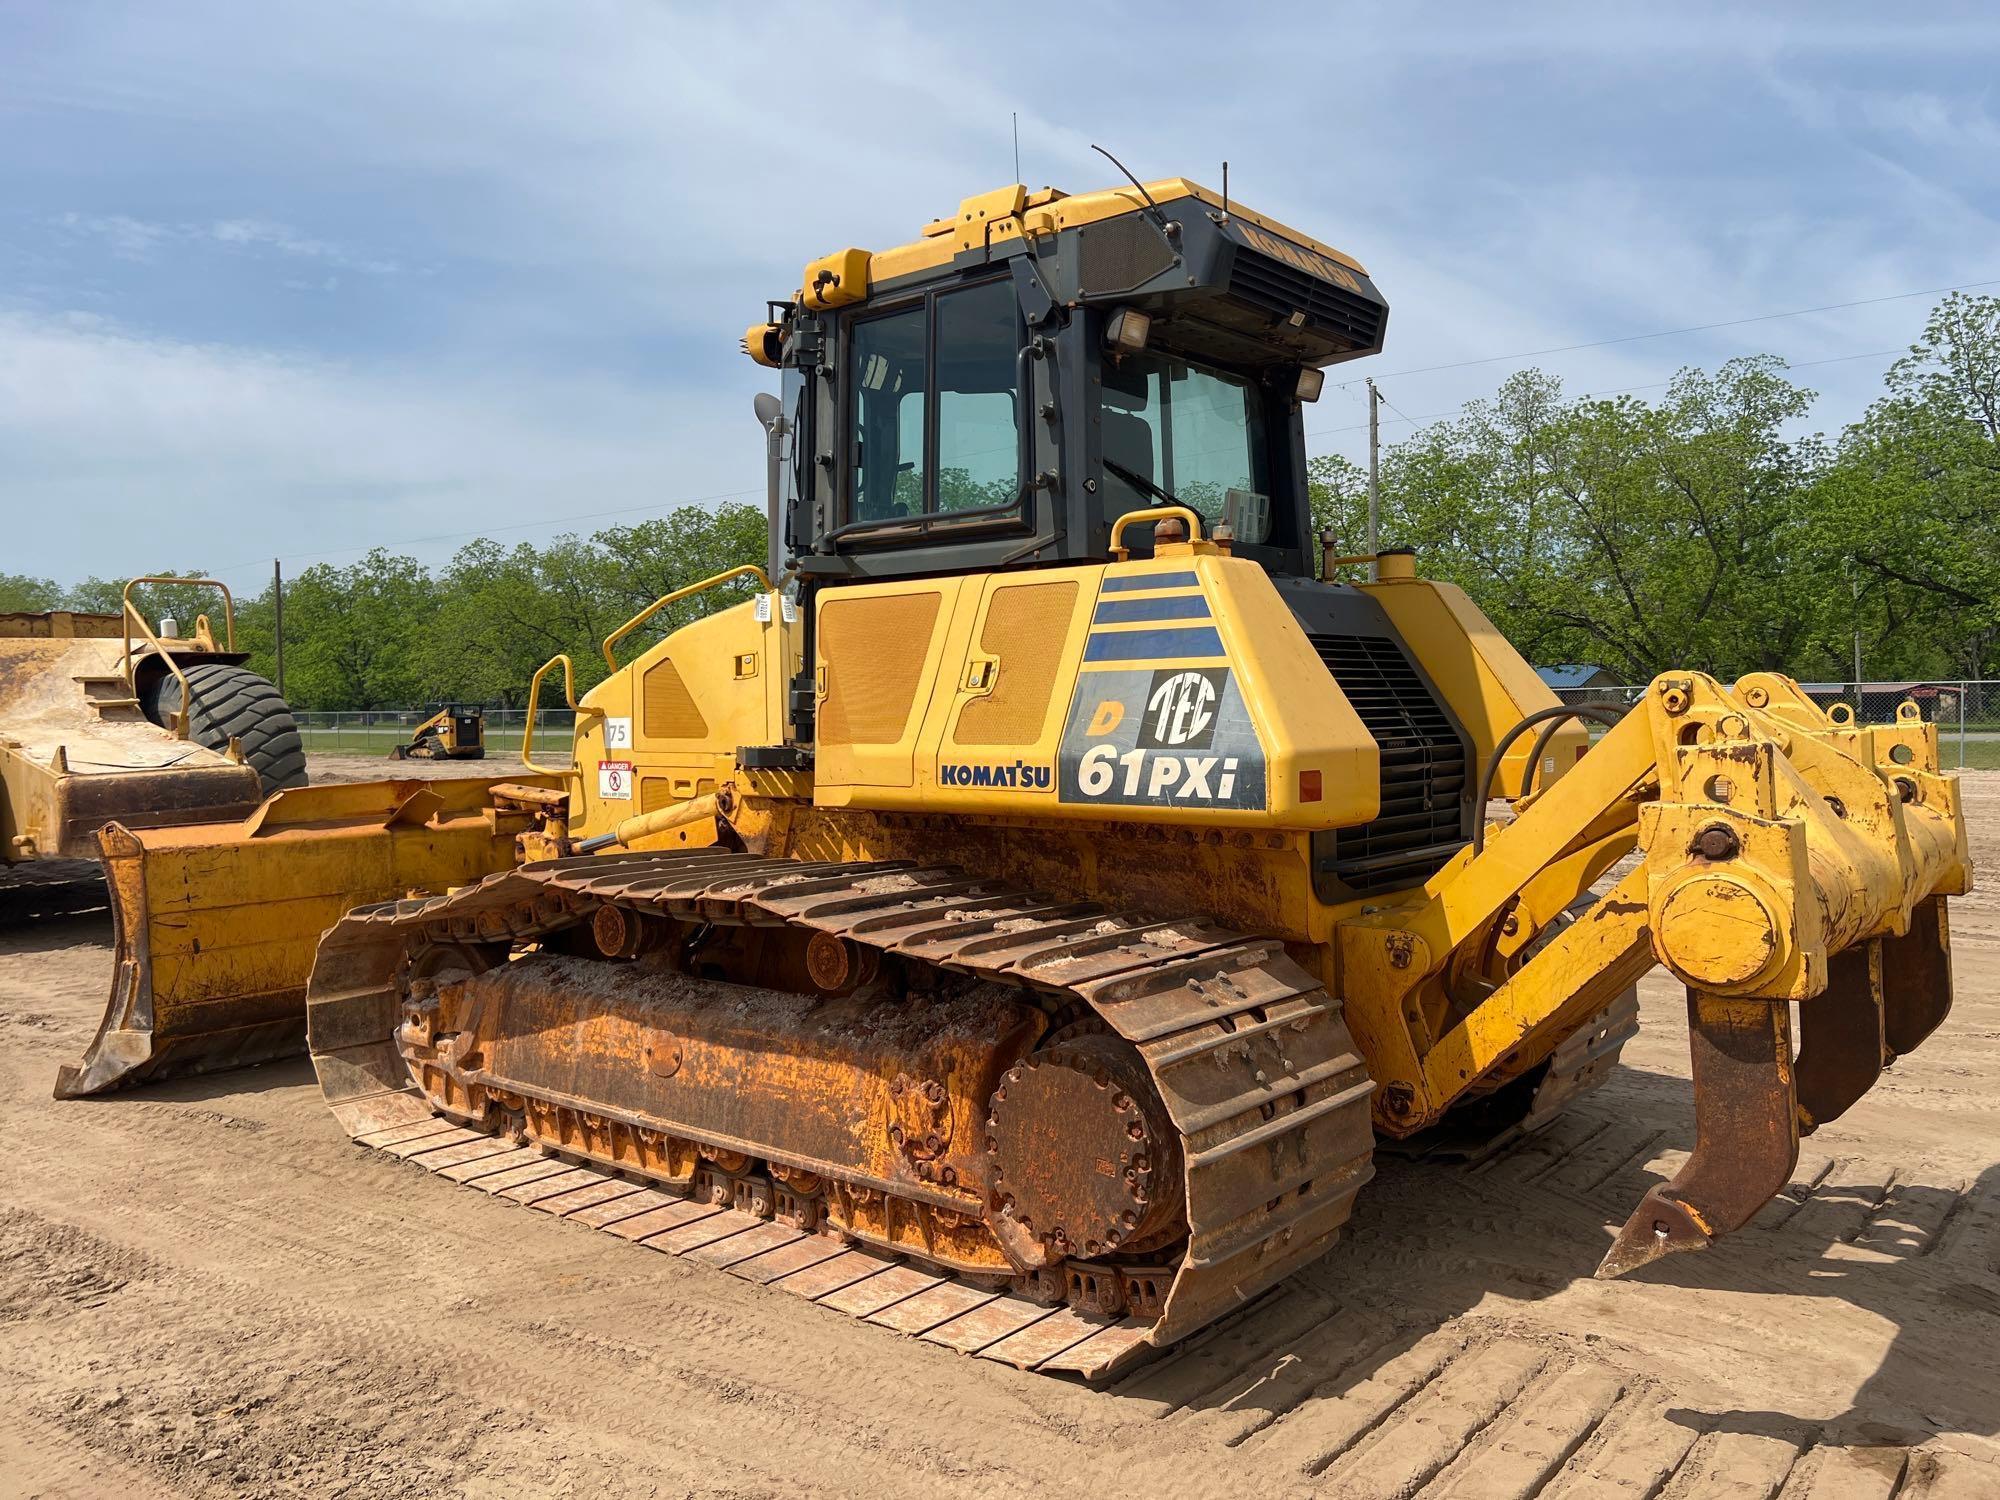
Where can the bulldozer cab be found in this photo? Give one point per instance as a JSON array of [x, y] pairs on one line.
[[1037, 365]]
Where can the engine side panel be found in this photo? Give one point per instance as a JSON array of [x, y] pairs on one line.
[[1178, 690]]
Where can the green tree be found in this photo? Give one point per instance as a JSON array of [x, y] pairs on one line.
[[1635, 535], [20, 594], [1906, 522], [351, 633]]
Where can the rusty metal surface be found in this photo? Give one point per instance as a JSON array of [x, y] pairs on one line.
[[77, 751], [1579, 1065], [1916, 978], [1841, 1048], [1584, 1060], [1746, 1133], [216, 923], [1247, 1070]]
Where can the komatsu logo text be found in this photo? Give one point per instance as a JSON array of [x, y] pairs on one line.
[[1018, 776]]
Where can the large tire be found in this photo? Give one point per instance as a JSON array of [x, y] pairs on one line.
[[235, 703]]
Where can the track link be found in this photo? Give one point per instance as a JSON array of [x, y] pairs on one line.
[[1248, 1054]]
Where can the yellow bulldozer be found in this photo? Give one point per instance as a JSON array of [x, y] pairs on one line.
[[1018, 922]]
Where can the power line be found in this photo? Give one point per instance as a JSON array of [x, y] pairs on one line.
[[1391, 405], [1667, 333]]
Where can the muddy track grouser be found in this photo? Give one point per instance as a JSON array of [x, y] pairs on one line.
[[1020, 917]]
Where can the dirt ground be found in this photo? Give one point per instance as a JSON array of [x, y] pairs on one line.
[[206, 1290]]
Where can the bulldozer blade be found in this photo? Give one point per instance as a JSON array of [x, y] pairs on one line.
[[217, 923], [1746, 1133], [1841, 1037], [1916, 978]]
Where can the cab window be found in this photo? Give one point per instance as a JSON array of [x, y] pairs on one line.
[[935, 416], [1197, 435]]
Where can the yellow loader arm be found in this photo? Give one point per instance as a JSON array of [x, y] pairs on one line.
[[217, 923], [1786, 856]]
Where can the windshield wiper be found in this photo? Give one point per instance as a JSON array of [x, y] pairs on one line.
[[1141, 483]]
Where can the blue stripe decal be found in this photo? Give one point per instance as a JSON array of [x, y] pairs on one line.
[[1179, 607], [1125, 583], [1146, 645]]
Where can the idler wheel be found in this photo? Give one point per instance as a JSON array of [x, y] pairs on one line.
[[619, 933], [1084, 1161]]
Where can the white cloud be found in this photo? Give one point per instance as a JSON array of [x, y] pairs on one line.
[[125, 450], [138, 239], [126, 237], [263, 235]]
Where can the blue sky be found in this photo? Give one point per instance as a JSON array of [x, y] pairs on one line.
[[290, 279]]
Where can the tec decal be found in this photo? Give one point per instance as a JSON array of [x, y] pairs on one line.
[[1168, 736], [1016, 776]]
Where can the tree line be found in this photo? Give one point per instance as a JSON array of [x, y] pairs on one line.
[[387, 632], [1692, 531], [1697, 530]]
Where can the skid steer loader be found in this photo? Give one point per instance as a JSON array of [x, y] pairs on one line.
[[1020, 920], [455, 732]]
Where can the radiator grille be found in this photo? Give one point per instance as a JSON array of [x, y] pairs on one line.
[[1421, 824], [1278, 289]]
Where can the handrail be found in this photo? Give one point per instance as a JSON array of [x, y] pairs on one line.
[[132, 617], [674, 598], [1153, 513], [534, 707]]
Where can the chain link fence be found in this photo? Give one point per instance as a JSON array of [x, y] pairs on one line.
[[378, 732], [1967, 714]]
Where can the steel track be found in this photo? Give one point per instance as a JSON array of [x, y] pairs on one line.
[[1248, 1053]]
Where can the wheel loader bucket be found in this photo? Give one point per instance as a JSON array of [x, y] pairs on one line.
[[217, 923]]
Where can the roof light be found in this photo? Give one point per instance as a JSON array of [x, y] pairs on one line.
[[1311, 383]]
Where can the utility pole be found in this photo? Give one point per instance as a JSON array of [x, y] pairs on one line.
[[1374, 477], [278, 619], [1856, 585]]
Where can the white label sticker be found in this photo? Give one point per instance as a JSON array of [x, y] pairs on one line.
[[614, 780], [617, 734], [763, 609], [791, 609]]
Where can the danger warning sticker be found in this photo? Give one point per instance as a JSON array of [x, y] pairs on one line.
[[614, 780]]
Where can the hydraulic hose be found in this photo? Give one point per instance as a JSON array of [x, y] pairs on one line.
[[1603, 713]]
